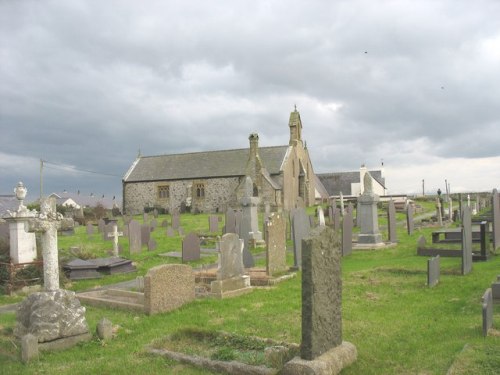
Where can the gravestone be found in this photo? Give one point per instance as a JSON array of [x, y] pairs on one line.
[[342, 209], [145, 217], [176, 220], [153, 224], [409, 219], [100, 225], [191, 247], [230, 222], [54, 314], [321, 216], [466, 241], [358, 216], [450, 209], [495, 289], [321, 293], [495, 210], [152, 244], [330, 214], [231, 280], [276, 244], [391, 222], [164, 223], [107, 230], [170, 232], [347, 234], [145, 234], [181, 231], [322, 350], [439, 217], [134, 237], [433, 271], [168, 287], [301, 226], [336, 218], [80, 269], [90, 229], [487, 305], [155, 213], [29, 348], [104, 329], [213, 224], [249, 226], [369, 233]]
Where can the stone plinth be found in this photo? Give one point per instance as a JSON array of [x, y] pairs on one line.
[[369, 231], [51, 316], [232, 287], [22, 243]]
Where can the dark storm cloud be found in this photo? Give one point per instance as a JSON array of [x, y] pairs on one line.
[[89, 83]]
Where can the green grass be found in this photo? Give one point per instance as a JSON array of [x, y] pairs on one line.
[[398, 324]]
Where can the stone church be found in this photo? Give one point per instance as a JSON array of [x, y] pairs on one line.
[[212, 181]]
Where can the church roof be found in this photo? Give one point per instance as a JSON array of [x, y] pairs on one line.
[[338, 182], [208, 164]]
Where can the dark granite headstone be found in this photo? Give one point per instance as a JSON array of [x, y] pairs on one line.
[[391, 222], [347, 234], [191, 247], [466, 241], [321, 293], [301, 226], [409, 219], [134, 236], [145, 234], [433, 271], [487, 304]]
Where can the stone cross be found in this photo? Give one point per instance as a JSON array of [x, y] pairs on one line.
[[47, 223], [115, 234]]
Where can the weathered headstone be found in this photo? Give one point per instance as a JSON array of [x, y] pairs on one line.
[[230, 221], [466, 241], [439, 217], [145, 234], [29, 348], [213, 224], [321, 216], [276, 244], [134, 236], [369, 232], [90, 229], [391, 222], [152, 244], [104, 329], [301, 227], [170, 232], [191, 247], [347, 234], [495, 289], [153, 224], [487, 306], [176, 220], [433, 271], [336, 218], [249, 227], [145, 217], [342, 209], [155, 213], [164, 223], [321, 293], [409, 219], [100, 225], [231, 280], [168, 287]]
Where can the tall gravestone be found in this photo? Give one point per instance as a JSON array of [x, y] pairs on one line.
[[230, 221], [466, 241], [276, 244], [145, 234], [369, 232], [134, 237], [409, 219], [301, 227], [322, 350], [487, 306], [176, 220], [249, 227], [54, 314], [391, 222], [336, 218], [213, 224], [22, 243], [495, 210], [347, 234], [433, 271]]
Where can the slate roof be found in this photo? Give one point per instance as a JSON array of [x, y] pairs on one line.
[[338, 182], [209, 164]]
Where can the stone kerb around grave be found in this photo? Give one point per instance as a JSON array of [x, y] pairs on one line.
[[167, 287]]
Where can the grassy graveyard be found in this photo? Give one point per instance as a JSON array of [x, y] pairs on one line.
[[398, 324]]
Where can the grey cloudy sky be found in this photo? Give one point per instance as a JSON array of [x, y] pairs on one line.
[[88, 83]]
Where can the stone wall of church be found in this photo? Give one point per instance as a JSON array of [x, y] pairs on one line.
[[203, 195]]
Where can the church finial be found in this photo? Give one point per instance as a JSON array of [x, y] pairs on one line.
[[295, 106]]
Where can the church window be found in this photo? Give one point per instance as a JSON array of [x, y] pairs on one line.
[[163, 192], [200, 190]]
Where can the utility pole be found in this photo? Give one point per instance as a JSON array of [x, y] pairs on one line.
[[423, 188]]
